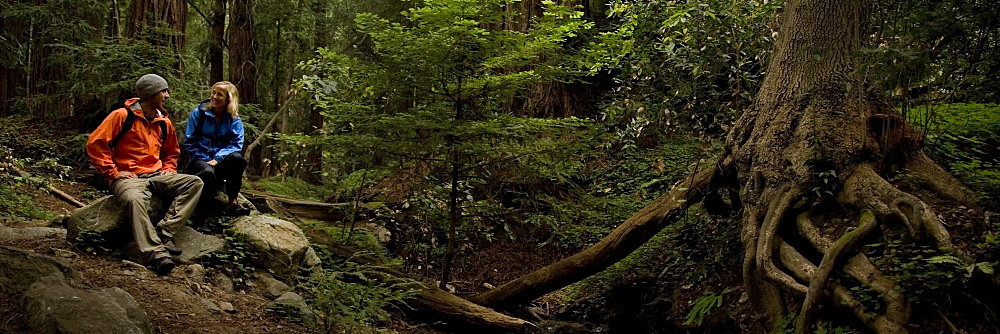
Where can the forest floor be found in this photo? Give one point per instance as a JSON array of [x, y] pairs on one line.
[[174, 303]]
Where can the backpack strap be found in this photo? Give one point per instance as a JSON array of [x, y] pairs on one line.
[[127, 126], [129, 120]]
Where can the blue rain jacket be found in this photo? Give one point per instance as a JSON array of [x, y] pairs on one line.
[[216, 140]]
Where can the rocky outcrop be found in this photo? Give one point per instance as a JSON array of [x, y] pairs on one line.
[[53, 306], [21, 268], [279, 245]]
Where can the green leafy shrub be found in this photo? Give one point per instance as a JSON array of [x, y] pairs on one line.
[[703, 306], [349, 301]]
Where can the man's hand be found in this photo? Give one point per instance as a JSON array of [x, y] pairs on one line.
[[165, 172], [213, 163], [125, 175]]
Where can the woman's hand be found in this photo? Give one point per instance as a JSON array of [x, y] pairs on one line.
[[213, 163]]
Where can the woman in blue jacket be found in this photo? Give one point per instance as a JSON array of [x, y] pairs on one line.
[[213, 141]]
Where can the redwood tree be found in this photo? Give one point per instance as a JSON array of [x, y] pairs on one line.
[[171, 14], [243, 50], [806, 169]]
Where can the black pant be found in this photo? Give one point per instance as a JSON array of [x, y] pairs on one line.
[[229, 170]]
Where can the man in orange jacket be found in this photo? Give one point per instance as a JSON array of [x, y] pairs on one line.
[[141, 162]]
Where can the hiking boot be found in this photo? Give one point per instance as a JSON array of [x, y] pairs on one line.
[[168, 243], [236, 211], [164, 266]]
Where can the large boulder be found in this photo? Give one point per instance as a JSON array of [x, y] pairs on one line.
[[53, 306], [278, 245], [20, 268], [103, 222]]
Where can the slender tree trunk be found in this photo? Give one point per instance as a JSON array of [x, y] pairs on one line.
[[243, 50], [217, 48]]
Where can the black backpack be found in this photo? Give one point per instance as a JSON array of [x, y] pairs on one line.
[[129, 120]]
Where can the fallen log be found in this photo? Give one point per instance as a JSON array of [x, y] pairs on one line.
[[59, 193], [268, 203], [430, 302], [625, 239]]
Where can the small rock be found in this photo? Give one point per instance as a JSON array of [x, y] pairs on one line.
[[196, 273], [271, 287], [223, 282], [210, 306], [228, 307], [64, 253]]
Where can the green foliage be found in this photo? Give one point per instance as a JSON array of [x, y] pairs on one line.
[[693, 63], [422, 116], [291, 187], [703, 306], [349, 300], [964, 138], [236, 261], [924, 273], [14, 202], [933, 51]]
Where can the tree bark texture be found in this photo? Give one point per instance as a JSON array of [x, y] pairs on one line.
[[243, 50], [811, 158]]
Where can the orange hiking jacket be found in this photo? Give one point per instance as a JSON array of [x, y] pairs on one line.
[[139, 150]]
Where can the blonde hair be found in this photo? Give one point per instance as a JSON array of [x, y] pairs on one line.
[[233, 107]]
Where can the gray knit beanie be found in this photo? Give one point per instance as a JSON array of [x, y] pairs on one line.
[[149, 84]]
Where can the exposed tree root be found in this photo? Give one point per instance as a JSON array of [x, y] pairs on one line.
[[831, 257], [804, 269], [635, 231], [766, 245], [929, 173], [865, 188]]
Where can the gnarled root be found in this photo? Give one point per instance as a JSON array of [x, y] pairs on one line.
[[831, 257], [865, 188]]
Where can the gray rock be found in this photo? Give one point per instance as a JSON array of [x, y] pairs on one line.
[[211, 306], [279, 245], [294, 308], [20, 268], [26, 233], [196, 245], [223, 282], [195, 273], [103, 221], [270, 287], [55, 307]]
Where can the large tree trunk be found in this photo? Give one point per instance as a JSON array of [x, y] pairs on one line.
[[170, 14], [243, 50], [811, 158], [809, 162]]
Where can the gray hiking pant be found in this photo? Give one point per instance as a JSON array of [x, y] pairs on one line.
[[134, 195]]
